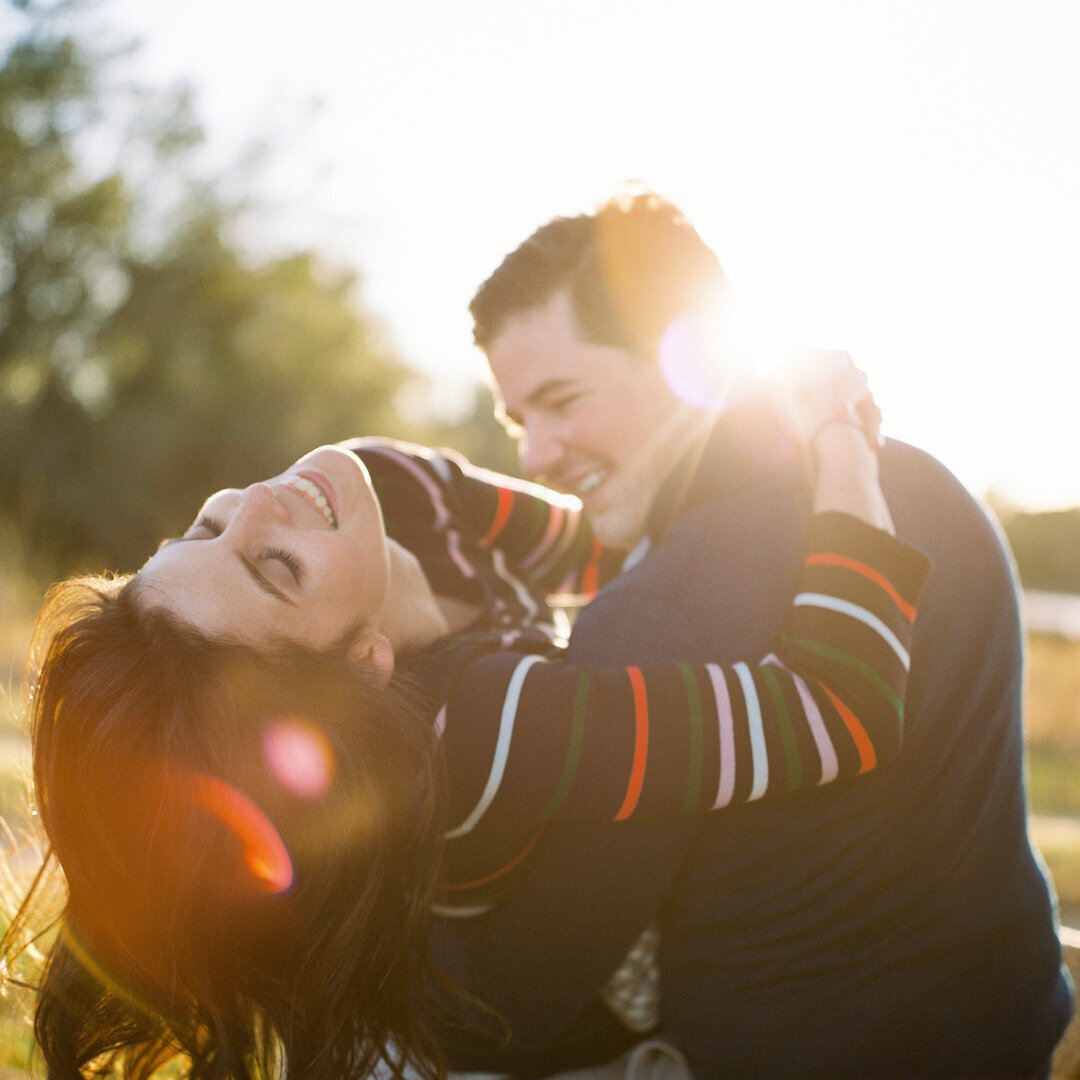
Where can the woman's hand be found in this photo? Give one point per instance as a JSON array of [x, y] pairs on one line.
[[833, 413], [824, 387]]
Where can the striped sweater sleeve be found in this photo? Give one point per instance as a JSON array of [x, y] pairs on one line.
[[528, 739], [455, 516], [543, 536]]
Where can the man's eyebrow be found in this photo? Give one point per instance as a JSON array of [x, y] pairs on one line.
[[549, 387], [262, 581]]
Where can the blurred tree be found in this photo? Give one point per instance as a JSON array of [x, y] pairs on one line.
[[145, 357], [1047, 548]]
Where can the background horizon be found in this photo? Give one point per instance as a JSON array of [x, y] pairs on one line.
[[899, 181]]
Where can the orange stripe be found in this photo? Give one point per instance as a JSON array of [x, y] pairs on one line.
[[641, 744], [862, 741], [829, 559], [590, 576], [502, 870], [502, 515]]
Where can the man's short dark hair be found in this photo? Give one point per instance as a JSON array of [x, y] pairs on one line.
[[632, 267]]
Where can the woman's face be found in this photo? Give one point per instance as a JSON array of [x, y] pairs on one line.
[[301, 557]]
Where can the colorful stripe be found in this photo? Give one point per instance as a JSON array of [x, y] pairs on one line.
[[442, 514], [830, 765], [521, 590], [573, 750], [556, 516], [725, 789], [505, 869], [867, 755], [823, 558], [792, 756], [853, 663], [440, 723], [868, 618], [754, 721], [695, 763], [502, 747], [641, 744], [590, 576], [502, 516]]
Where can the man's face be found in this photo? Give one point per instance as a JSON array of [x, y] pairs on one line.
[[594, 419]]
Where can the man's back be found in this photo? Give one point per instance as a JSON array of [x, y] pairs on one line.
[[896, 926]]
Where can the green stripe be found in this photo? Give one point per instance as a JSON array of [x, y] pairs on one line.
[[573, 751], [787, 731], [852, 663], [696, 736], [533, 522]]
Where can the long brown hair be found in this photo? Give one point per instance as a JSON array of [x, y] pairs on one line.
[[250, 843]]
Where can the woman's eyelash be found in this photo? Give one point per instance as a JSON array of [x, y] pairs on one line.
[[209, 525], [288, 558]]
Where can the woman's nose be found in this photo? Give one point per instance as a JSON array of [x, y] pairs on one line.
[[258, 502]]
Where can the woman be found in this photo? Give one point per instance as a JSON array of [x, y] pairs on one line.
[[244, 788]]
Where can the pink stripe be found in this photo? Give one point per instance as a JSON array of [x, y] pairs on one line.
[[830, 767], [726, 788], [442, 514], [551, 534]]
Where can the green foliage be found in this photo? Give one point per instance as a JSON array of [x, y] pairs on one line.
[[1047, 548], [145, 357]]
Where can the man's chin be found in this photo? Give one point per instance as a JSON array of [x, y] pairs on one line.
[[620, 527]]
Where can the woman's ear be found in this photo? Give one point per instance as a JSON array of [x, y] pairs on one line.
[[372, 650]]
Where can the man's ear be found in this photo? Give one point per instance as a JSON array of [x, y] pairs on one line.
[[372, 650]]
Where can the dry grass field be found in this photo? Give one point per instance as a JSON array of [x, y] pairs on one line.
[[1054, 785]]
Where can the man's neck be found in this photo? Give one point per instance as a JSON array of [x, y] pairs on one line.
[[741, 446]]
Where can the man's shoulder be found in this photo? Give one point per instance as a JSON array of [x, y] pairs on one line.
[[935, 511]]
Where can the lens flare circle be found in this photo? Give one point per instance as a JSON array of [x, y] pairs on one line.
[[700, 356], [299, 756]]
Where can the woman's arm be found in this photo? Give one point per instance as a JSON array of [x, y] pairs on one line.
[[527, 739], [455, 516]]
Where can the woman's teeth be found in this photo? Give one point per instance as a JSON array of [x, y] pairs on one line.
[[313, 492]]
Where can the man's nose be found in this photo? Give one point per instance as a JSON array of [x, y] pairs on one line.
[[541, 450]]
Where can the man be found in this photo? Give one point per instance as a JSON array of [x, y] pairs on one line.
[[898, 926]]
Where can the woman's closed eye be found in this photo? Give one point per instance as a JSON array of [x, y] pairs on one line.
[[209, 524], [270, 554], [287, 559], [565, 403]]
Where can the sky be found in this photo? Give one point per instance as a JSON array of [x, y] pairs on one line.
[[899, 178]]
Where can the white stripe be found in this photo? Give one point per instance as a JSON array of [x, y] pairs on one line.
[[845, 607], [636, 555], [502, 747], [449, 912], [757, 732], [440, 723], [525, 598], [726, 788], [830, 767]]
